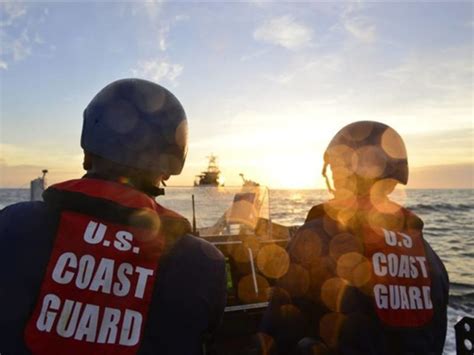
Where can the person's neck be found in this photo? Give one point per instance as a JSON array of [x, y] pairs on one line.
[[149, 189]]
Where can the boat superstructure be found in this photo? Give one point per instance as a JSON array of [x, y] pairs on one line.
[[211, 176], [248, 182], [37, 187]]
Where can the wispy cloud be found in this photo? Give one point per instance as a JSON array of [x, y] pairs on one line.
[[361, 29], [284, 31], [12, 11], [12, 47], [357, 25], [16, 27], [21, 47], [153, 8], [449, 176], [155, 17], [435, 73], [160, 27], [253, 55], [322, 66], [162, 37], [164, 29], [447, 146], [158, 70]]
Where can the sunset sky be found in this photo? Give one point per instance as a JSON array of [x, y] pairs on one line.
[[265, 85]]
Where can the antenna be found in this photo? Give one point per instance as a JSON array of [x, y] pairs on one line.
[[194, 216]]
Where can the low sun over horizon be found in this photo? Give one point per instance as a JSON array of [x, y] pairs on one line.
[[265, 85]]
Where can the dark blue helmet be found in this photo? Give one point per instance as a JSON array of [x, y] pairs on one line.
[[369, 149], [138, 124]]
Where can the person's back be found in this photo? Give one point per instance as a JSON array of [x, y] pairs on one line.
[[363, 280], [100, 267]]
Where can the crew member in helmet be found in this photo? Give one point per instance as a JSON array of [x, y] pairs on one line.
[[99, 266], [362, 278]]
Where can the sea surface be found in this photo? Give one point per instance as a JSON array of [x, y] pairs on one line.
[[448, 217]]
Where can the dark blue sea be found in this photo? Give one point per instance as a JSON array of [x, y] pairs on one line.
[[448, 217]]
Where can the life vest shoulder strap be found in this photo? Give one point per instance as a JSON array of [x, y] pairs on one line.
[[113, 202]]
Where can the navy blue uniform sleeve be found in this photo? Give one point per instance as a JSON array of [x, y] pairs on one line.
[[26, 237], [290, 317], [439, 295], [188, 300]]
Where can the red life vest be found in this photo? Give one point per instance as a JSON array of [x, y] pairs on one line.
[[99, 281], [401, 280], [398, 279]]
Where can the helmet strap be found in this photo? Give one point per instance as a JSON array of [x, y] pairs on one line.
[[328, 183], [153, 190]]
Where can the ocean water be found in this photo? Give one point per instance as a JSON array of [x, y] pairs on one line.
[[448, 217]]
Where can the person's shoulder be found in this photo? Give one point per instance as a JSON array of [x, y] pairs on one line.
[[182, 243], [172, 223], [26, 221], [24, 206], [310, 238], [315, 212], [26, 211], [412, 220], [29, 224], [195, 261], [199, 247]]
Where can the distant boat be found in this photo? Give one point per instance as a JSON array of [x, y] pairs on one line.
[[37, 187], [248, 182], [210, 177]]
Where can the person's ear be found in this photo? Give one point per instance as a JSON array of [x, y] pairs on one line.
[[163, 178], [87, 162]]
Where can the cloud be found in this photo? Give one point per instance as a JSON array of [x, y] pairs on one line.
[[11, 11], [361, 29], [19, 176], [38, 39], [16, 27], [160, 24], [318, 68], [455, 176], [447, 69], [21, 47], [164, 30], [14, 48], [435, 86], [181, 18], [284, 31], [259, 3], [253, 55], [158, 71], [357, 25], [159, 27], [153, 8], [162, 37], [20, 164], [447, 146]]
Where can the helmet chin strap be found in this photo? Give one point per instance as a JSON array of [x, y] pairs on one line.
[[155, 191], [328, 183]]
